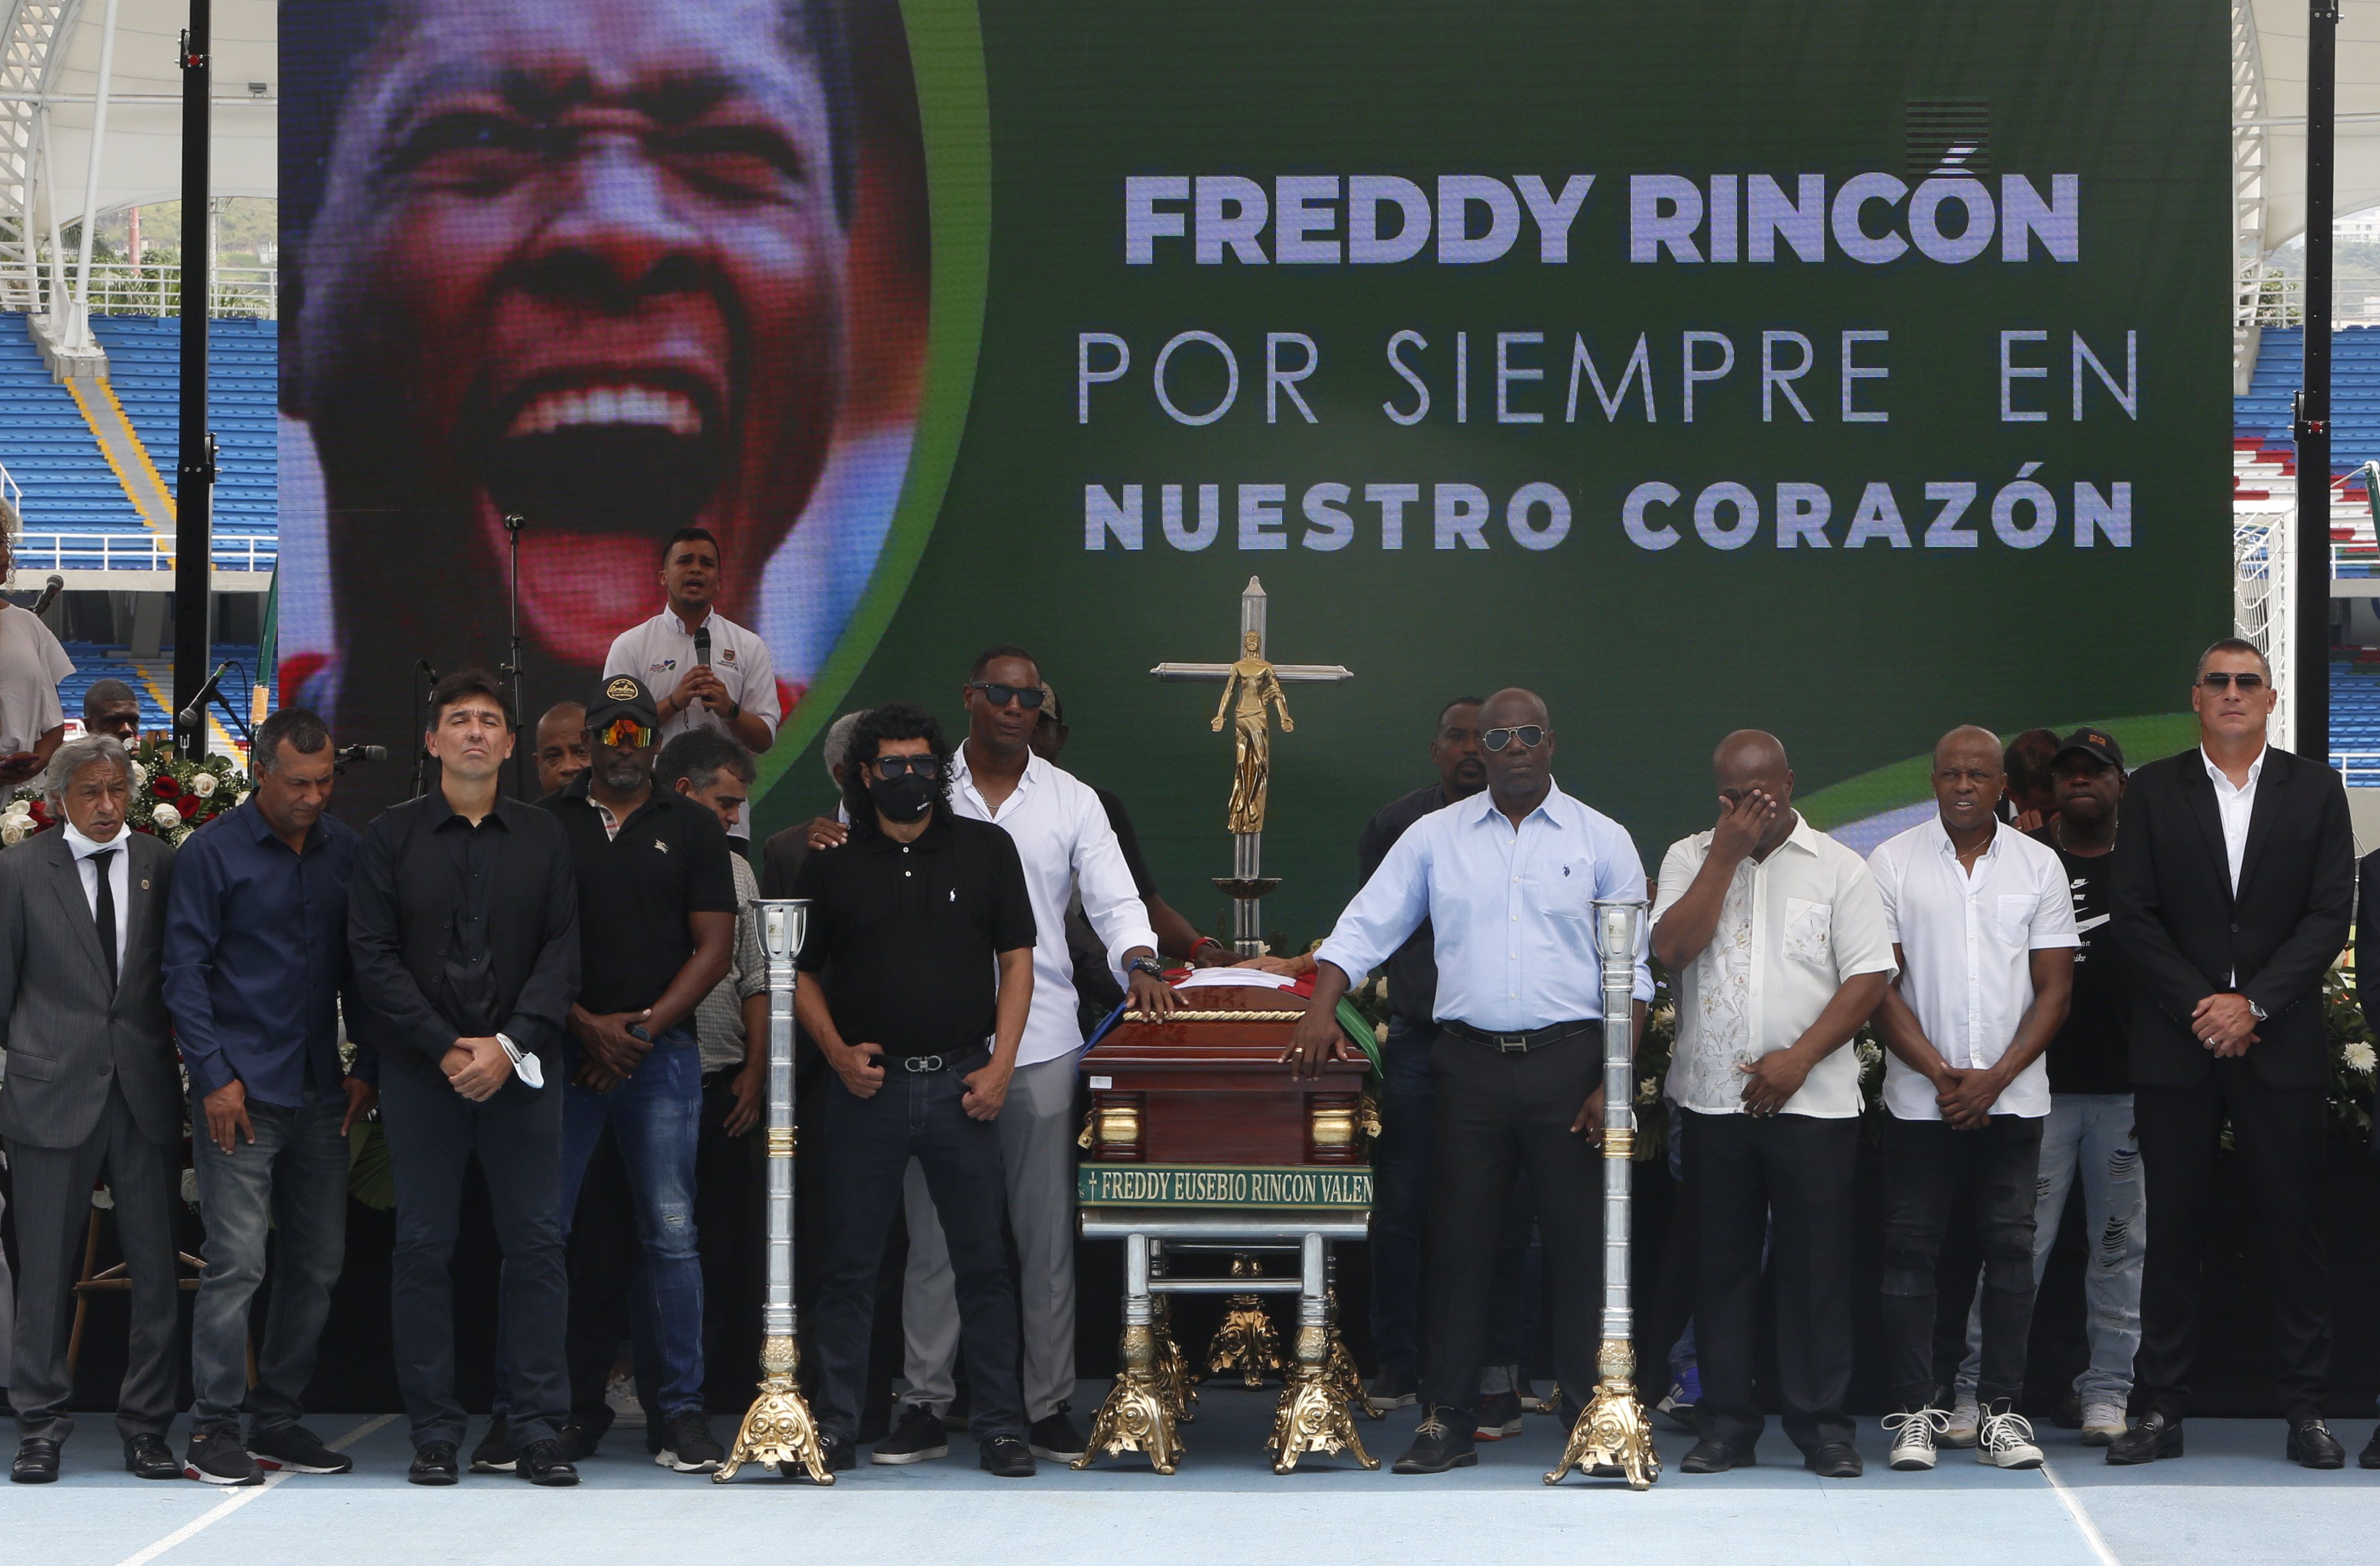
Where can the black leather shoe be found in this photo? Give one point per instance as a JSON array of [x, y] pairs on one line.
[[1714, 1456], [542, 1463], [37, 1462], [1006, 1457], [2155, 1436], [434, 1463], [1834, 1460], [148, 1457], [1442, 1442], [2313, 1446]]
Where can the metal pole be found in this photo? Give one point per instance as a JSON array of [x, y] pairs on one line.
[[2311, 676], [78, 332], [1612, 1438], [778, 1429], [194, 472]]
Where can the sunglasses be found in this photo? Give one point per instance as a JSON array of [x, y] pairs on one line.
[[624, 733], [925, 767], [1531, 736], [1028, 697], [2216, 679]]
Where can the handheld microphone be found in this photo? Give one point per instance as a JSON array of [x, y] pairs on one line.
[[347, 753], [701, 643], [191, 719], [50, 590]]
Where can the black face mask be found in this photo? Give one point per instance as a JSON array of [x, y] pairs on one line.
[[903, 798]]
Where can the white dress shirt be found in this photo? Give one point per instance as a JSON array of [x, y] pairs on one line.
[[1792, 928], [1511, 910], [1966, 940], [120, 876], [1062, 834], [661, 651], [2235, 806]]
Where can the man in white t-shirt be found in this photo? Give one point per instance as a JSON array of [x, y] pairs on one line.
[[1983, 932], [1776, 932], [705, 671], [32, 724]]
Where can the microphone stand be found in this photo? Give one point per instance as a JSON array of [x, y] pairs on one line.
[[421, 725], [514, 523]]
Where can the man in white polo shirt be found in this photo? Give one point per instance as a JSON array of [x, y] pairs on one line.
[[1983, 932], [1776, 932], [705, 671]]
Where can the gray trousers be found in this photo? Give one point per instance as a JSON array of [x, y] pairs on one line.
[[1037, 1136], [53, 1209]]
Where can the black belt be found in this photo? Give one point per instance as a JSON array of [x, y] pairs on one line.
[[925, 1065], [1521, 1042]]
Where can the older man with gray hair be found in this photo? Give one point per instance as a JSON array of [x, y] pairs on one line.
[[91, 1090]]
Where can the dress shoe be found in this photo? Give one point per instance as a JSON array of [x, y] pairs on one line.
[[1834, 1460], [1442, 1440], [148, 1457], [2155, 1436], [1006, 1457], [1714, 1455], [542, 1463], [2370, 1456], [37, 1462], [2313, 1446], [434, 1463]]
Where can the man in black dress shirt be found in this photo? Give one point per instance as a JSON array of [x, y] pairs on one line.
[[463, 924], [906, 921]]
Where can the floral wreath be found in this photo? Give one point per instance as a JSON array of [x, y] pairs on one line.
[[171, 796]]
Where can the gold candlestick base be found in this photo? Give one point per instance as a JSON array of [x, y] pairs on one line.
[[1172, 1371], [777, 1428], [1313, 1413], [1136, 1415], [1340, 1367], [1613, 1439]]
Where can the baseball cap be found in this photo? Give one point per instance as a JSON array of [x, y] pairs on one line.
[[2097, 744], [622, 696]]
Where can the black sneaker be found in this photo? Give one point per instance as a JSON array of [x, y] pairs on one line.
[[147, 1456], [542, 1463], [1005, 1457], [1442, 1440], [1055, 1438], [434, 1463], [577, 1441], [1394, 1387], [917, 1437], [1499, 1415], [494, 1454], [215, 1457], [293, 1448], [690, 1449]]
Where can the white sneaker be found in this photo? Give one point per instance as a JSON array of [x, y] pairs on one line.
[[2102, 1422], [1964, 1420], [2007, 1442], [1912, 1437]]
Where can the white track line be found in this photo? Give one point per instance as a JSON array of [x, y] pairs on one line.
[[2074, 1504], [241, 1497]]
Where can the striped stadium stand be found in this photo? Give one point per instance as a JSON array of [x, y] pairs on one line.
[[152, 678], [243, 388], [49, 449]]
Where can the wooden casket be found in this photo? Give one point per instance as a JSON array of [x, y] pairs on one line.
[[1198, 1110]]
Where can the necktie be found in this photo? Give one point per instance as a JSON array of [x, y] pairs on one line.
[[105, 915]]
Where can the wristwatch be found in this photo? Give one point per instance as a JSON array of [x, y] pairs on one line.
[[525, 1065], [1149, 965], [2257, 1011]]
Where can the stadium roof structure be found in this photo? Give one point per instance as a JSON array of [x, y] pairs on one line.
[[76, 72]]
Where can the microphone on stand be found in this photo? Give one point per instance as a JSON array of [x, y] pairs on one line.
[[191, 719], [347, 753], [50, 590]]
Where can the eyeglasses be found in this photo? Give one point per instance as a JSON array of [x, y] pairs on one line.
[[2216, 679], [908, 766], [1531, 736], [624, 733], [1027, 696]]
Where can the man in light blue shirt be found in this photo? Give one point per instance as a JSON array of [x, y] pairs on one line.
[[1508, 879]]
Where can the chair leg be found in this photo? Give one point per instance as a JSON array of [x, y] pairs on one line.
[[82, 1294]]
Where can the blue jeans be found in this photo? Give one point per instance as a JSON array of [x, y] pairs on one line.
[[292, 1181], [656, 1116], [1400, 1193]]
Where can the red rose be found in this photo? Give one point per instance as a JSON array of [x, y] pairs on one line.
[[164, 787], [41, 812]]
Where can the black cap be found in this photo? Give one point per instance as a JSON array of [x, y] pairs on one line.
[[622, 696], [2097, 744]]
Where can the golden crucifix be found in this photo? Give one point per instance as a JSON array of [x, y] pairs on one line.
[[1254, 683]]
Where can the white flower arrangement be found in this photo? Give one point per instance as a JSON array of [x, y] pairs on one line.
[[139, 775], [2359, 1057], [167, 816], [203, 785]]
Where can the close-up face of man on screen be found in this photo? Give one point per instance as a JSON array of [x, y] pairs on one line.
[[582, 262]]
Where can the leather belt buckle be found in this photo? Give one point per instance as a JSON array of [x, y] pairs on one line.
[[922, 1064]]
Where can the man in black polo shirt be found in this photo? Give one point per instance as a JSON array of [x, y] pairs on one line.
[[657, 929], [922, 1029]]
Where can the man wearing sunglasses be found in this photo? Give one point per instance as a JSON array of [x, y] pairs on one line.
[[1068, 849], [657, 929], [2234, 880], [1508, 879]]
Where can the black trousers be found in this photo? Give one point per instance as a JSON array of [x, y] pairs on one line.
[[1927, 1165], [433, 1132], [2279, 1133], [1740, 1170], [1493, 1115], [868, 1145]]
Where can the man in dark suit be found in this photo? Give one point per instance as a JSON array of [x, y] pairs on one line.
[[92, 1088], [2234, 875], [463, 922]]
